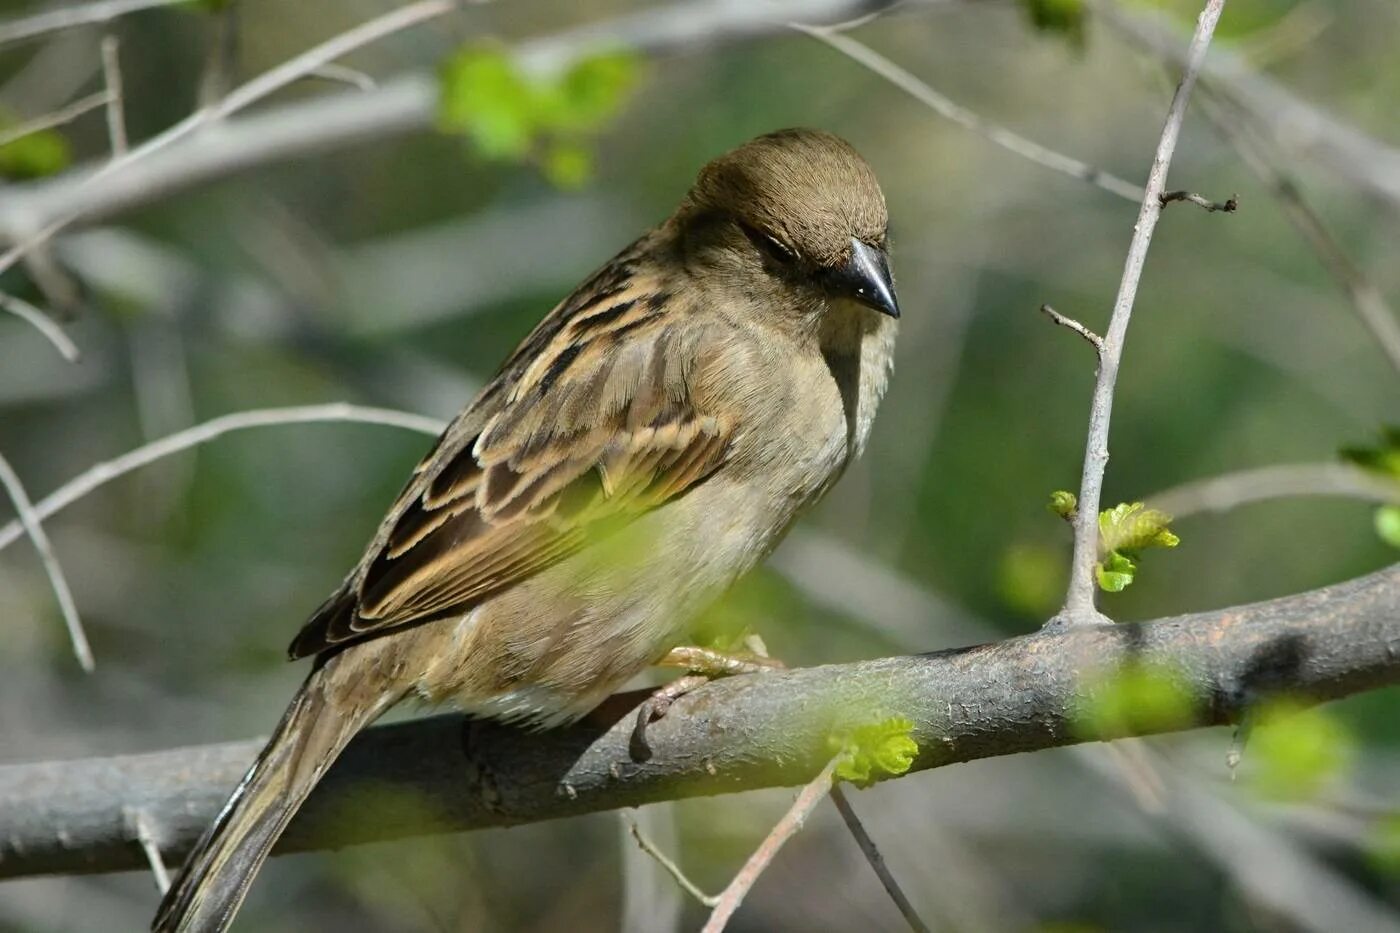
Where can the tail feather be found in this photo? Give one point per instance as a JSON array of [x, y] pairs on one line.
[[222, 866]]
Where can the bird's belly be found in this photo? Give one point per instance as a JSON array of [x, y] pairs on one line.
[[551, 648]]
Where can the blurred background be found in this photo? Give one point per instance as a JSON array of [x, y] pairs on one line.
[[398, 272]]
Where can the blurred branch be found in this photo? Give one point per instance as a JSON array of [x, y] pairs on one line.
[[29, 521], [31, 231], [1303, 890], [112, 77], [992, 132], [1286, 481], [672, 869], [43, 324], [733, 895], [1292, 124], [109, 470], [59, 117], [1079, 601], [449, 773], [85, 14], [1375, 312], [877, 861], [406, 104]]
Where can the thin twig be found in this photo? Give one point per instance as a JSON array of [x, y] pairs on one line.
[[86, 14], [29, 521], [341, 74], [877, 861], [112, 76], [109, 470], [1094, 339], [802, 807], [59, 117], [1286, 481], [43, 324], [1079, 601], [1190, 197], [215, 78], [147, 840], [995, 133], [674, 870], [267, 83], [1375, 312]]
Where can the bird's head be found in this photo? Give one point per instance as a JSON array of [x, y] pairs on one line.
[[802, 209]]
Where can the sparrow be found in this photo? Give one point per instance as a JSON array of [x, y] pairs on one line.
[[648, 443]]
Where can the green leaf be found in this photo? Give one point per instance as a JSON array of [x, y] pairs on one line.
[[1125, 531], [1387, 521], [483, 96], [1131, 526], [1134, 699], [594, 89], [1059, 16], [34, 156], [1294, 751], [1383, 458], [568, 165], [1063, 503], [876, 750], [1116, 573]]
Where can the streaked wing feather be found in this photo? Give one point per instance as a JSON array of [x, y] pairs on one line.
[[592, 427]]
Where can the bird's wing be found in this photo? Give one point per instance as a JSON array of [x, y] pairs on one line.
[[591, 423]]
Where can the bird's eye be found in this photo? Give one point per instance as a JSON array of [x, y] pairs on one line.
[[769, 245]]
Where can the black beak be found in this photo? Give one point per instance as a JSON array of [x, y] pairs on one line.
[[866, 278]]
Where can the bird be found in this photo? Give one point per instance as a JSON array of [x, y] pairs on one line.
[[648, 443]]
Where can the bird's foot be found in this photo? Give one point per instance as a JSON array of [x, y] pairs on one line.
[[655, 706], [702, 665], [713, 663]]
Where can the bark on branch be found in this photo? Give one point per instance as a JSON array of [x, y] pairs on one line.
[[446, 773]]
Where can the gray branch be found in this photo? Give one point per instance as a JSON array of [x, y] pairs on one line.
[[448, 773], [408, 104]]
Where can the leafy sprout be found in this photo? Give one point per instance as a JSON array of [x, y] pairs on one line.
[[508, 115], [873, 751]]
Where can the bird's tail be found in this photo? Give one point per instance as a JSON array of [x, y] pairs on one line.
[[217, 874]]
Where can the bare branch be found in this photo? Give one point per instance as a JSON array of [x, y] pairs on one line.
[[1093, 339], [807, 799], [672, 869], [1079, 602], [60, 117], [105, 472], [147, 840], [267, 83], [29, 521], [877, 861], [1229, 206], [448, 773], [942, 105], [340, 74], [86, 14], [1375, 312], [43, 324], [1292, 124], [1232, 490], [112, 76]]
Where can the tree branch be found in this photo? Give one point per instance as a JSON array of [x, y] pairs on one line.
[[448, 773], [1282, 481], [1079, 601], [1292, 124]]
